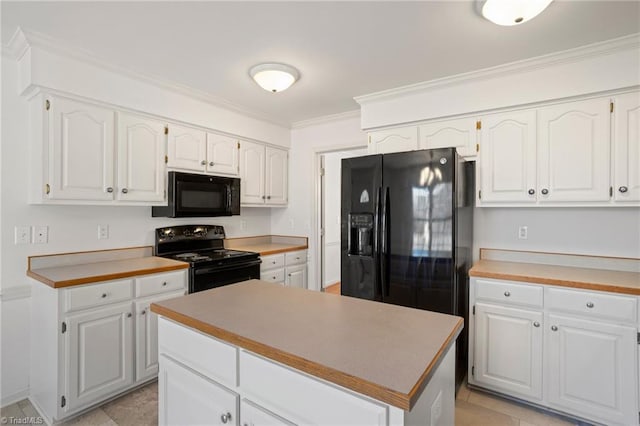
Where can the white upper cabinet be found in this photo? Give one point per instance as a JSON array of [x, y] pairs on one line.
[[626, 147], [264, 173], [460, 134], [394, 140], [81, 138], [251, 173], [508, 157], [573, 151], [276, 175], [222, 154], [141, 153], [187, 148]]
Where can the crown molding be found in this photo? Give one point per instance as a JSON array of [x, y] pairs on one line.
[[326, 119], [24, 39], [629, 42]]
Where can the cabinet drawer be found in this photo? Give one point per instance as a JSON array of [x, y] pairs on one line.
[[592, 304], [91, 295], [303, 399], [273, 275], [296, 257], [160, 283], [272, 262], [509, 292], [205, 354]]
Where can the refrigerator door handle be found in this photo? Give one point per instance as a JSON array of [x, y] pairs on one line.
[[384, 250], [377, 244]]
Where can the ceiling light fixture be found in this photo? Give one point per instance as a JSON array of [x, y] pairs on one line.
[[274, 77], [513, 12]]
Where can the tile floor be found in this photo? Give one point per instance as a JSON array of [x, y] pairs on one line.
[[139, 408]]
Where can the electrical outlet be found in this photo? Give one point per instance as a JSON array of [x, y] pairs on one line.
[[103, 232], [522, 232], [22, 235], [41, 234]]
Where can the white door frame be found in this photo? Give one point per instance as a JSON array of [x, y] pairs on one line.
[[317, 204]]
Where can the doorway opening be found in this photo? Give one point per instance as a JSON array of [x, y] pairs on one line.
[[328, 214]]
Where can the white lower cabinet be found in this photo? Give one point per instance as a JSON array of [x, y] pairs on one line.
[[289, 269], [573, 351], [91, 342], [186, 397], [296, 276], [251, 414]]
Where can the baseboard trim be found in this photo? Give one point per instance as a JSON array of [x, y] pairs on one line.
[[14, 397]]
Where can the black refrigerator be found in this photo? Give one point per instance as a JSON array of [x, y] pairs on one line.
[[407, 232]]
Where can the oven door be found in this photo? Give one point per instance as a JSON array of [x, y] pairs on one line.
[[216, 276]]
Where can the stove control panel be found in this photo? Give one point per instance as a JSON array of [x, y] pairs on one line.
[[189, 232]]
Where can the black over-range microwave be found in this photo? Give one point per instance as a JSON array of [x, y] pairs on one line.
[[193, 195]]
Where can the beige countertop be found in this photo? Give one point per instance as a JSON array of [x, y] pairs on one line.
[[384, 351], [70, 275], [267, 244], [565, 276]]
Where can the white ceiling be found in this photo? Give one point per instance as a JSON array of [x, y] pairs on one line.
[[342, 49]]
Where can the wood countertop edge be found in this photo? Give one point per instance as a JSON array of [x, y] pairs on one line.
[[105, 277], [373, 390], [282, 250], [612, 288]]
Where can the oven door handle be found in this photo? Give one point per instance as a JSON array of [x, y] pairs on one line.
[[208, 270]]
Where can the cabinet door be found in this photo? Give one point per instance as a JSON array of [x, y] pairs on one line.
[[591, 369], [222, 154], [99, 354], [147, 337], [296, 276], [507, 158], [508, 350], [277, 172], [626, 147], [189, 398], [395, 140], [251, 173], [252, 414], [186, 148], [141, 166], [460, 134], [82, 141], [573, 151]]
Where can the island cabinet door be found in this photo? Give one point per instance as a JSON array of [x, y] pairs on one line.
[[251, 414], [591, 369], [508, 351], [99, 348], [188, 398]]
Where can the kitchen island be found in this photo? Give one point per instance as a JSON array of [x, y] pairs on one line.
[[267, 354]]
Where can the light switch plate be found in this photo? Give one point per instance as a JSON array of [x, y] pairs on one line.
[[22, 235], [103, 232], [41, 234]]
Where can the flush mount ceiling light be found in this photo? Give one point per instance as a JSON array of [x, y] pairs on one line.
[[513, 12], [274, 77]]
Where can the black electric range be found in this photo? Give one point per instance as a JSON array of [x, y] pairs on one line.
[[210, 264]]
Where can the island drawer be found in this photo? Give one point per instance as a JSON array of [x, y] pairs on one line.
[[273, 275], [160, 283], [292, 394], [295, 257], [91, 295], [507, 292], [592, 304], [273, 261], [203, 353]]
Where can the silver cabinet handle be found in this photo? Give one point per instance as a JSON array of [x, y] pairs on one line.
[[144, 311], [129, 315], [211, 163], [225, 417], [536, 324], [544, 191], [263, 197], [273, 278], [268, 197], [104, 295], [289, 274], [554, 328], [203, 162], [507, 294], [274, 262], [623, 189], [125, 190], [589, 304], [531, 191], [109, 189], [164, 284]]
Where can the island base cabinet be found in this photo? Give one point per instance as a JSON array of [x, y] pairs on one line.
[[189, 398], [253, 415], [590, 369]]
